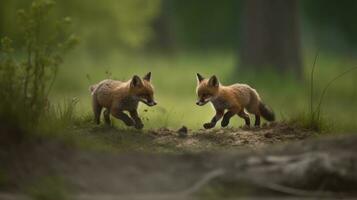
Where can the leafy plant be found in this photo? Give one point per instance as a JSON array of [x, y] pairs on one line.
[[45, 44], [27, 83]]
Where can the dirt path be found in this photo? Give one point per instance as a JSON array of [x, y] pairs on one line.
[[251, 167], [230, 138], [312, 168], [186, 140]]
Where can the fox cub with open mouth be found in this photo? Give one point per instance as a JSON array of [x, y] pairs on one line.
[[117, 97], [235, 98]]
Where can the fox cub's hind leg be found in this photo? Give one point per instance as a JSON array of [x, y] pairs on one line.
[[257, 120], [106, 115], [215, 119], [245, 116], [97, 109]]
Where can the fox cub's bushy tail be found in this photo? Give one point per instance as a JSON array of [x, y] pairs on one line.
[[266, 112], [92, 88]]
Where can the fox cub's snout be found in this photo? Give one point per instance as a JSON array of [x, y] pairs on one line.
[[118, 96], [207, 89], [236, 99], [143, 90]]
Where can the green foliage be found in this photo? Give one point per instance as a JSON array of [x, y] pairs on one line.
[[205, 23], [304, 121], [315, 118], [11, 105], [64, 113], [332, 22], [45, 45], [133, 19], [26, 83], [129, 24], [114, 24]]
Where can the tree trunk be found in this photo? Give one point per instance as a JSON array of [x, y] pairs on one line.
[[271, 36], [164, 39]]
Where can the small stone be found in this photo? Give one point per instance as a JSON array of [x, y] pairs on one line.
[[245, 141], [153, 132], [268, 135], [183, 131]]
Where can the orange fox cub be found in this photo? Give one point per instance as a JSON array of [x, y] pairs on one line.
[[235, 99], [117, 97]]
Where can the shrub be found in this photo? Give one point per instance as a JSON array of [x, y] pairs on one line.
[[27, 76]]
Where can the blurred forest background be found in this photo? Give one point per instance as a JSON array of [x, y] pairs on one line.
[[269, 44]]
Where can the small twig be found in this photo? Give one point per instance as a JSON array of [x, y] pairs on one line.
[[327, 86], [312, 86]]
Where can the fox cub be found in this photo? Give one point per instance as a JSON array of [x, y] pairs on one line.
[[117, 97], [235, 98]]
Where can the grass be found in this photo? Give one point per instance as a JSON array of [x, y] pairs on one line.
[[48, 188], [174, 80], [315, 121]]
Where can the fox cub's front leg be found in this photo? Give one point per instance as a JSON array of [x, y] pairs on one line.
[[226, 118], [215, 119], [122, 116], [134, 115]]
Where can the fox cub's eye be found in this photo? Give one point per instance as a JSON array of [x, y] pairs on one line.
[[145, 96], [205, 95]]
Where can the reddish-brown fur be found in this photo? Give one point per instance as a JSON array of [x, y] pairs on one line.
[[236, 99], [117, 97]]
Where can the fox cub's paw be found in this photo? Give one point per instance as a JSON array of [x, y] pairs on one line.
[[224, 123], [139, 125], [129, 122], [208, 125]]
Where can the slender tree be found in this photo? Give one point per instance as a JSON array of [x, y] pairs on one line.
[[271, 35], [164, 35]]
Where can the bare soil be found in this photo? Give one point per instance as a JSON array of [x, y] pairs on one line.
[[186, 140], [230, 138], [202, 164]]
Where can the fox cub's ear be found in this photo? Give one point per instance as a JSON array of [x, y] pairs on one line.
[[147, 77], [136, 81], [199, 77], [213, 81]]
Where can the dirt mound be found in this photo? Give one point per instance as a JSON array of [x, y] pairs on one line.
[[202, 139]]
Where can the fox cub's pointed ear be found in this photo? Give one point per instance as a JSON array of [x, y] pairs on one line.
[[213, 81], [147, 77], [199, 77], [136, 81]]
